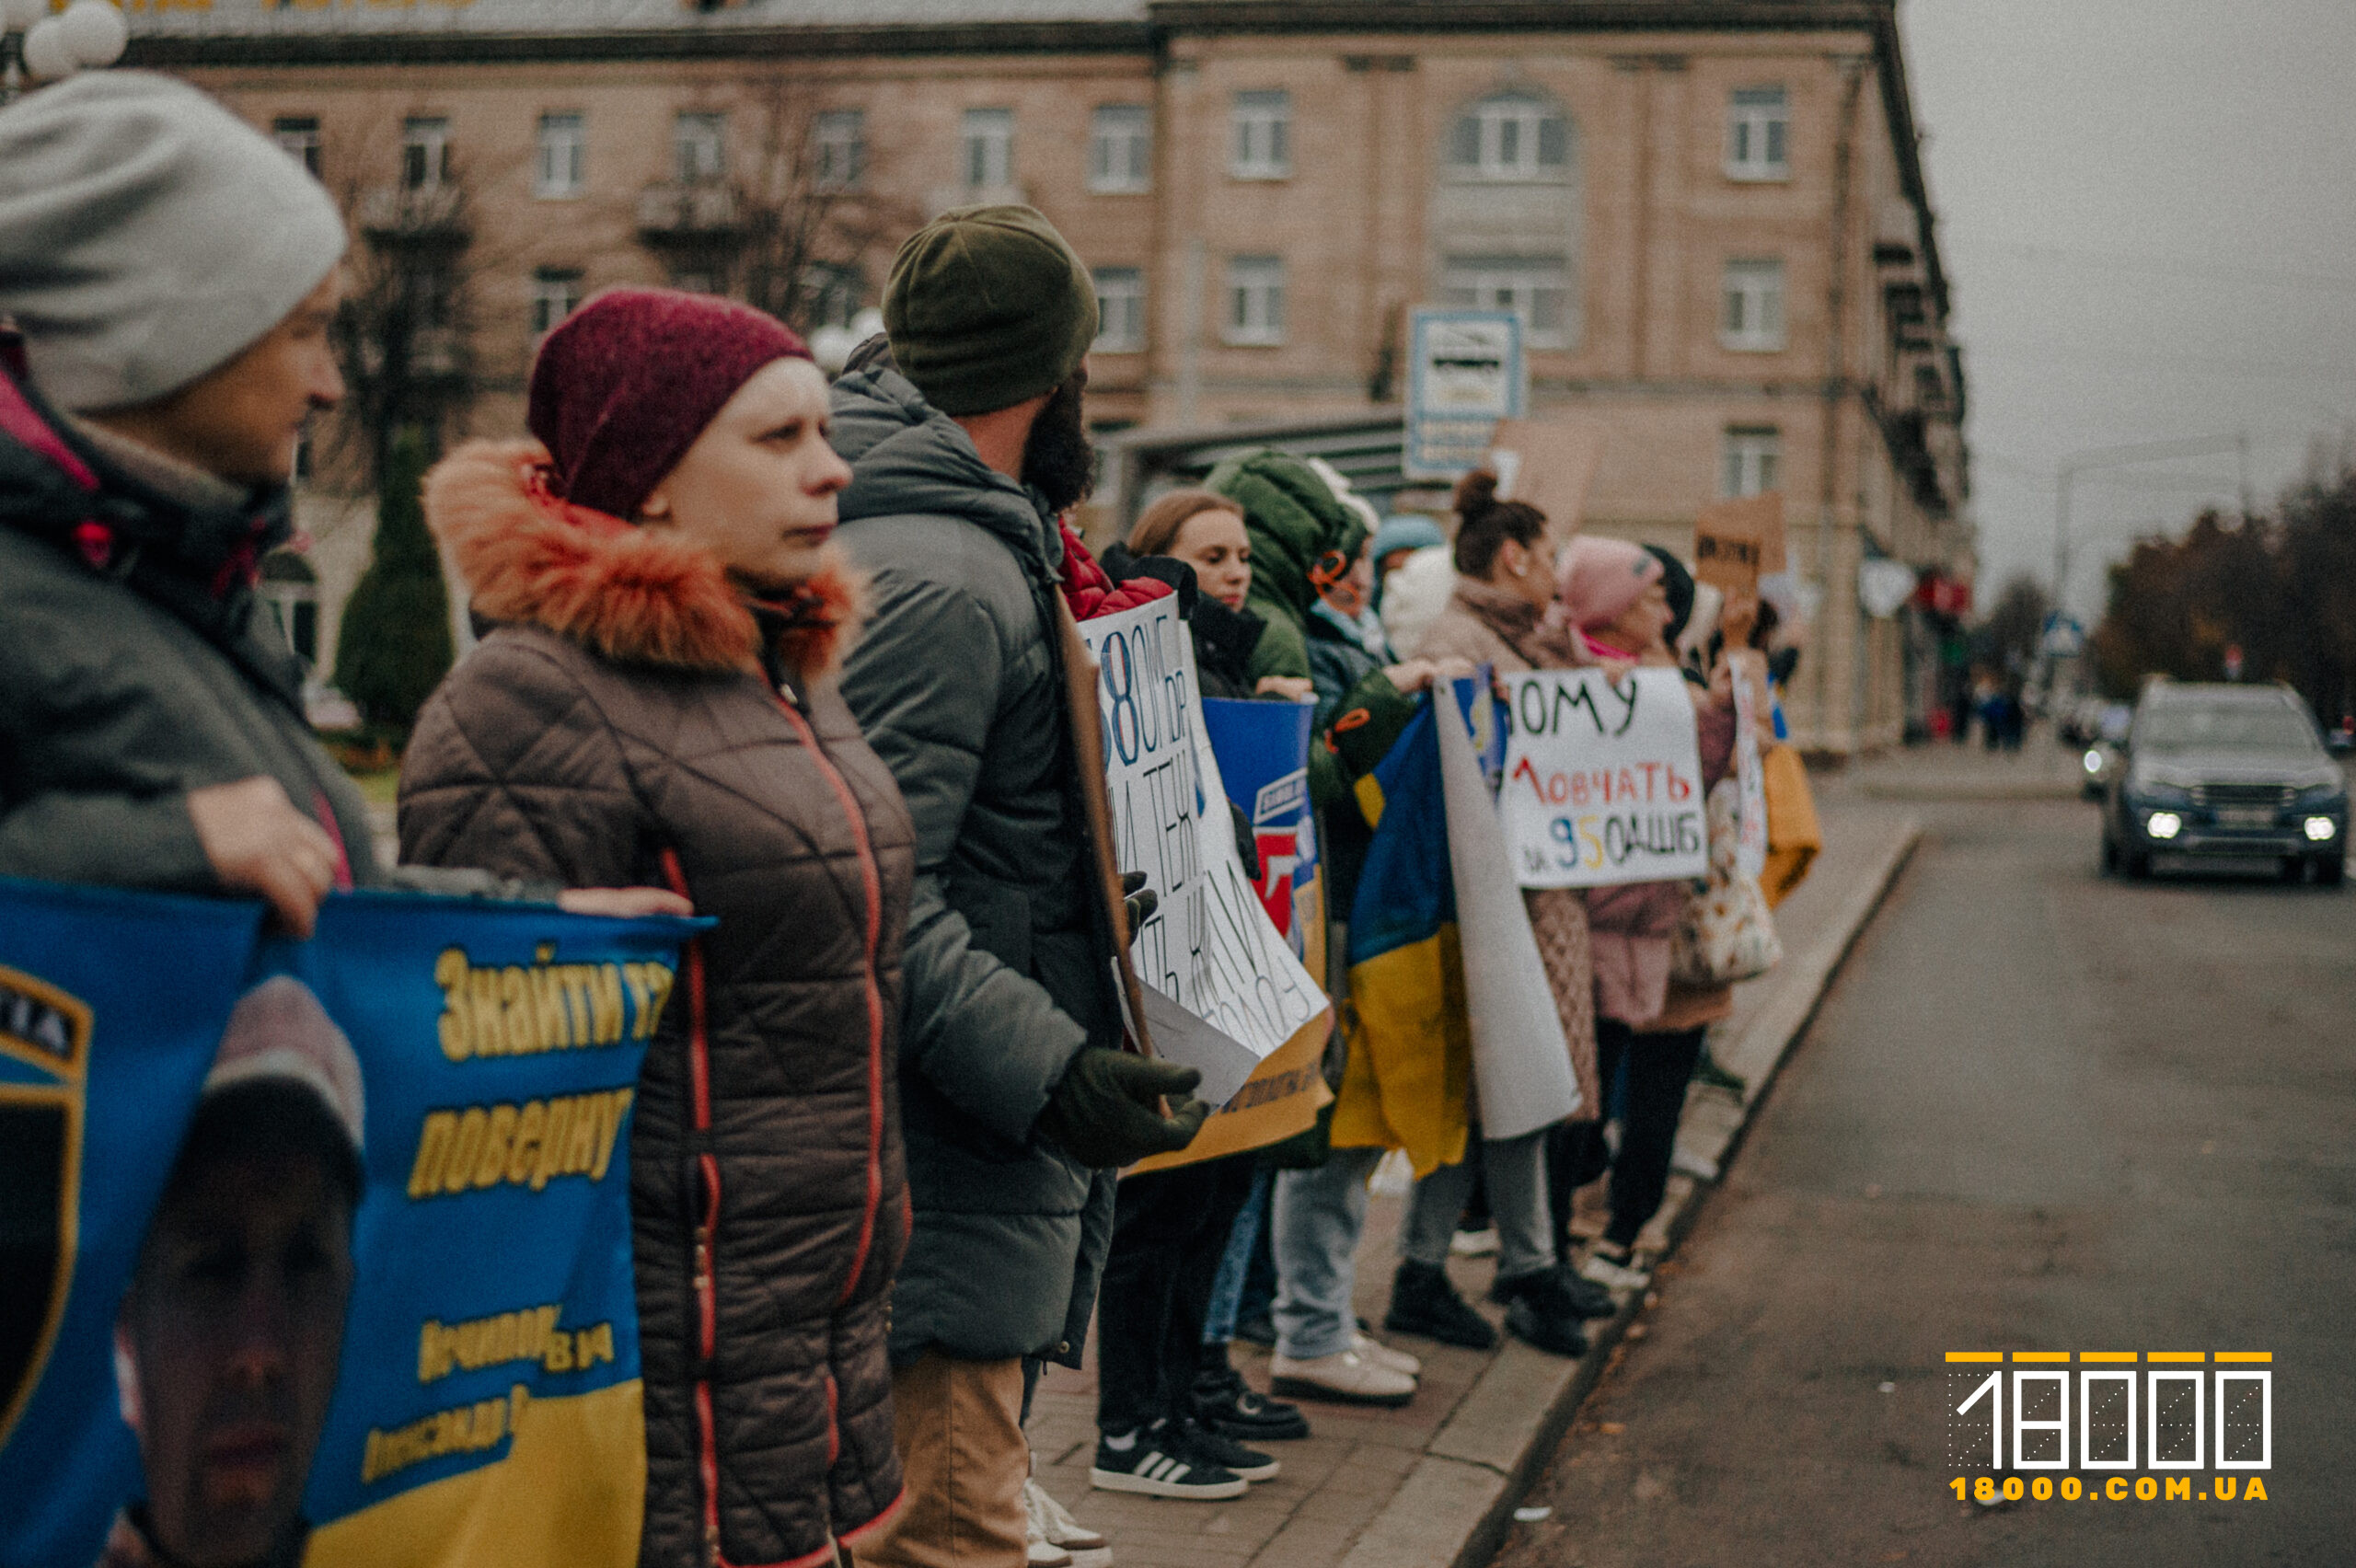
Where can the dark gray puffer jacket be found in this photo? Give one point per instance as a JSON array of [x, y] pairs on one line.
[[958, 684]]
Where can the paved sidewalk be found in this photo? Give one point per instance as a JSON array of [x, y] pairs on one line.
[[1433, 1485]]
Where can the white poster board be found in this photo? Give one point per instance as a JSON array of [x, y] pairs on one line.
[[1603, 783], [1521, 1064], [1208, 946]]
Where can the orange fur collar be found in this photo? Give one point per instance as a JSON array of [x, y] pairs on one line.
[[634, 594]]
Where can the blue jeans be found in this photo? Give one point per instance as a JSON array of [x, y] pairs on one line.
[[1234, 1264], [1319, 1216]]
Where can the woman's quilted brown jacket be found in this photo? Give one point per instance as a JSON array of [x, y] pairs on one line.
[[633, 720]]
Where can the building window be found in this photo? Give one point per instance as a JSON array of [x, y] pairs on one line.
[[1759, 125], [1255, 299], [988, 148], [425, 154], [1750, 460], [1510, 136], [1120, 148], [1263, 134], [1120, 303], [699, 148], [291, 589], [1753, 318], [564, 165], [299, 136], [835, 292], [556, 290], [841, 136], [1536, 288]]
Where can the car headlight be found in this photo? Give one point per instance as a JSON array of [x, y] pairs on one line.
[[2164, 825], [2321, 829], [2094, 762], [2159, 792], [2332, 794]]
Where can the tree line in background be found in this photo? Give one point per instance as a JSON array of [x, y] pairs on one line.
[[2281, 587]]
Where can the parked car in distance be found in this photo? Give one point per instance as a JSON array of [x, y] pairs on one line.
[[2222, 771]]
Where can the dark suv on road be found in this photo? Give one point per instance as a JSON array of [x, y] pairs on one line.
[[2226, 771]]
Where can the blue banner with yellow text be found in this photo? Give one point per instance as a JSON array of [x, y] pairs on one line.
[[320, 1248]]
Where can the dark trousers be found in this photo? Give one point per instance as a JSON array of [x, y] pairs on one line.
[[1170, 1229], [1652, 1071]]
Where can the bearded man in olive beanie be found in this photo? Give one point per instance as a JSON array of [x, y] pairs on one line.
[[966, 435]]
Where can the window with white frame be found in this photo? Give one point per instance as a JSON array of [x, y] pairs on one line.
[[1748, 460], [556, 290], [1752, 317], [699, 148], [841, 150], [425, 154], [1509, 136], [1262, 129], [298, 137], [1120, 303], [988, 148], [1536, 288], [1255, 299], [1120, 148], [1759, 129], [564, 165]]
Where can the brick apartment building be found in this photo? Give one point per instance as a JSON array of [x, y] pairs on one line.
[[1710, 214]]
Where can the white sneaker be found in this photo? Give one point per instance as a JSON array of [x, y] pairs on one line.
[[1381, 1355], [1474, 1243], [1701, 1167], [1038, 1553], [1345, 1376], [1611, 1273], [1052, 1523]]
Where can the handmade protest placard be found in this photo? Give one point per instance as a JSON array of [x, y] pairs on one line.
[[1735, 542], [1750, 777], [1604, 781], [433, 1096], [1208, 945]]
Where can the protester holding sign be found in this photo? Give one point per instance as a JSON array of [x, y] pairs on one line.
[[658, 700], [1617, 597], [1497, 616], [966, 434]]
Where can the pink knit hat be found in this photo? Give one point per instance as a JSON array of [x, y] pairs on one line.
[[1603, 577], [625, 383]]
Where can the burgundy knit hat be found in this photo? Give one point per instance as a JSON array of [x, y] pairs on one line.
[[625, 383]]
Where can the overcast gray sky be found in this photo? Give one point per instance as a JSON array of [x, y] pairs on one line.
[[2148, 211]]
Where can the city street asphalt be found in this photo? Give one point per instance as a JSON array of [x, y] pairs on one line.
[[2040, 1109]]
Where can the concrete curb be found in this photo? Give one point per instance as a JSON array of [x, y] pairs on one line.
[[1455, 1507]]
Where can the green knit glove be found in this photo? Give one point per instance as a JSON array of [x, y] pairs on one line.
[[1106, 1112]]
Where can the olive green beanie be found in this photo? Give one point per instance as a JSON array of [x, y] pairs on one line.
[[987, 306]]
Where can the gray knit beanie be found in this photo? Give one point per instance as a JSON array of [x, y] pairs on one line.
[[148, 235]]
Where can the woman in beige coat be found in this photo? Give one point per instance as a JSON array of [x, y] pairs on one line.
[[1496, 617]]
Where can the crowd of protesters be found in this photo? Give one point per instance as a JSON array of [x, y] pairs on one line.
[[795, 655]]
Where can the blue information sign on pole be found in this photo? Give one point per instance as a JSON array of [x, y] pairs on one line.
[[1465, 373]]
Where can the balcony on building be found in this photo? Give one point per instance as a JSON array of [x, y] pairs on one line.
[[697, 213], [421, 214]]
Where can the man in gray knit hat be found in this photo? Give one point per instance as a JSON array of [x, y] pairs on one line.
[[171, 275]]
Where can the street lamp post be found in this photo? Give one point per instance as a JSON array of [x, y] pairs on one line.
[[45, 46], [2077, 462]]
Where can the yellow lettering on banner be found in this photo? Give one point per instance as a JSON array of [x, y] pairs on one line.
[[2254, 1490], [527, 1335], [467, 1429], [2179, 1489], [523, 1010], [517, 1146]]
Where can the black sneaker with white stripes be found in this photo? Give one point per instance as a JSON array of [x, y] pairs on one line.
[[1216, 1448], [1160, 1462]]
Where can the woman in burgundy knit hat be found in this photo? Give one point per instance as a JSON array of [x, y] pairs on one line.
[[656, 703]]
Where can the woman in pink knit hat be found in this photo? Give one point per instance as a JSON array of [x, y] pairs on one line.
[[1616, 596]]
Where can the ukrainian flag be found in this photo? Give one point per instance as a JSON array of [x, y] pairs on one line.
[[1410, 1043]]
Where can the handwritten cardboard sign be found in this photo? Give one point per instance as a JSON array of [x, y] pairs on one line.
[[1738, 542], [1602, 782]]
